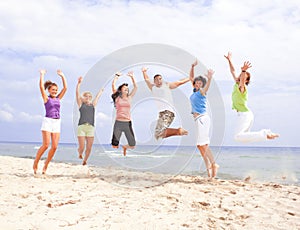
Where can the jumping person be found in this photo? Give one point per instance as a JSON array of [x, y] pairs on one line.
[[51, 122], [162, 91], [86, 124], [199, 110], [239, 103], [122, 101]]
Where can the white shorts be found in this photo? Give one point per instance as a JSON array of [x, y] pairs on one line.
[[51, 125], [202, 126]]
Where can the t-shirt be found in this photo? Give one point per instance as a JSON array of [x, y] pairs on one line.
[[164, 98], [123, 108], [239, 99], [198, 103], [52, 107], [87, 114]]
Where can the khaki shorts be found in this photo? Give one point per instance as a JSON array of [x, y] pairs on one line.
[[85, 130], [165, 119]]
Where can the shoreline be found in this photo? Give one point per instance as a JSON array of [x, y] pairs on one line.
[[81, 197]]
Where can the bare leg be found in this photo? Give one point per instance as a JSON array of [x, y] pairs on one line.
[[203, 150], [89, 144], [125, 147], [54, 144], [42, 149], [214, 166], [174, 132], [81, 142]]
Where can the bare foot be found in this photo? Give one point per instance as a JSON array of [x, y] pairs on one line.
[[182, 131], [84, 163], [208, 172], [271, 136], [124, 150], [44, 169], [214, 170], [80, 156]]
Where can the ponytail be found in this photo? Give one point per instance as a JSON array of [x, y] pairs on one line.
[[48, 84]]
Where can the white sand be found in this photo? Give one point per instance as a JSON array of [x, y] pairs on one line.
[[79, 197]]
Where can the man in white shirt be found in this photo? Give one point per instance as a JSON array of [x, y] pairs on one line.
[[162, 91]]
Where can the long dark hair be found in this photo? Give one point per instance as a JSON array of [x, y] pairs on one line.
[[118, 93]]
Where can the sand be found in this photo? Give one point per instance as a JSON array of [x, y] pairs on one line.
[[84, 197]]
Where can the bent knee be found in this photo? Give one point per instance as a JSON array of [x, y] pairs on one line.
[[45, 145], [54, 147]]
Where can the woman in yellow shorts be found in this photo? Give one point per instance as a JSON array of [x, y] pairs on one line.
[[86, 124]]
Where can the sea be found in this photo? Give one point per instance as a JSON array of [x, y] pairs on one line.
[[259, 164]]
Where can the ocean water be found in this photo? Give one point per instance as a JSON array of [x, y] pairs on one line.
[[261, 164]]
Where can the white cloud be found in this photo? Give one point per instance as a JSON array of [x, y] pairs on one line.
[[6, 116], [102, 116], [8, 108], [29, 118]]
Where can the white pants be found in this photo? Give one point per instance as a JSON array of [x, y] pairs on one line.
[[202, 126], [243, 125]]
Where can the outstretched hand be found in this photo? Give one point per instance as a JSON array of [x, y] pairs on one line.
[[195, 63], [246, 66], [43, 71], [130, 74], [144, 69], [60, 73], [229, 56], [80, 79], [210, 73]]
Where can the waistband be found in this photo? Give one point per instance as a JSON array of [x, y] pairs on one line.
[[88, 124], [198, 115]]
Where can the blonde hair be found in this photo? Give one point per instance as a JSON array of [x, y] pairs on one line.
[[87, 93]]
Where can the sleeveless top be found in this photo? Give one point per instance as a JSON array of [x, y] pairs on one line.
[[164, 97], [198, 103], [239, 99], [87, 114], [52, 107], [123, 108]]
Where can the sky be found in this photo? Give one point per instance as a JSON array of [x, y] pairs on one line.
[[76, 35]]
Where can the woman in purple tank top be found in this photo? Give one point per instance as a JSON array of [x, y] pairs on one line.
[[51, 123]]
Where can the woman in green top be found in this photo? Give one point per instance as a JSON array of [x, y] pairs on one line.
[[239, 103]]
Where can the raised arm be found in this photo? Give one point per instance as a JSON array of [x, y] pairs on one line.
[[131, 75], [175, 84], [64, 89], [192, 74], [78, 97], [113, 86], [42, 88], [146, 78], [209, 75], [243, 78], [95, 101], [232, 70]]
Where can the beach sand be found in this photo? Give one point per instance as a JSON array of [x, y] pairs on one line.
[[83, 197]]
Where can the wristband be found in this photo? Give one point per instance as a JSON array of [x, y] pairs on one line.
[[243, 71]]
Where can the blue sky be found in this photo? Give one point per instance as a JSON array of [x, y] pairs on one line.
[[75, 35]]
